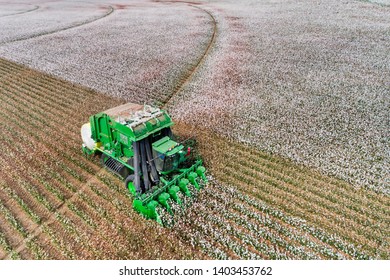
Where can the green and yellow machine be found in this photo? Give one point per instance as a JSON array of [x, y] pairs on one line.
[[136, 142]]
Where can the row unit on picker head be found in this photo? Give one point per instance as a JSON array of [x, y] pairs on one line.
[[136, 142]]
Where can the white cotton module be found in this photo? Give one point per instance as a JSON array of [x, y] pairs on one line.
[[86, 136]]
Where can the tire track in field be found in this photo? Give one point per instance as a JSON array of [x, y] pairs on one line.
[[375, 2], [188, 76], [44, 33], [22, 12]]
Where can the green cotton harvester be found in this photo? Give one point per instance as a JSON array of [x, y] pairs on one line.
[[136, 143]]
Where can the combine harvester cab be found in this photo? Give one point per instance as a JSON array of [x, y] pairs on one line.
[[135, 142]]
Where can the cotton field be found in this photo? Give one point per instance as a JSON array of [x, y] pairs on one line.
[[288, 102]]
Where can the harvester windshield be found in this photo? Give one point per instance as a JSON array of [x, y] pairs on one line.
[[166, 154]]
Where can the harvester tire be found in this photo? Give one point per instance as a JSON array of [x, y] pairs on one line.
[[103, 159], [130, 185]]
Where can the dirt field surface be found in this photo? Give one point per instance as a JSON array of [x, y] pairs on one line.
[[288, 102]]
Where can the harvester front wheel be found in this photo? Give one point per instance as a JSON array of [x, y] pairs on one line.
[[130, 185]]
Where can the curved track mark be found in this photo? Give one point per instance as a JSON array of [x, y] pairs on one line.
[[110, 11], [22, 12], [192, 71]]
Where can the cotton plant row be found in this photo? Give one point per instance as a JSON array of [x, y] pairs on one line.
[[264, 225], [40, 197], [38, 113], [224, 233], [28, 186], [49, 95], [26, 95], [26, 182], [13, 221], [100, 210], [84, 216], [97, 213], [278, 182], [220, 235], [93, 219], [312, 195], [48, 124], [228, 237], [37, 250], [331, 239], [219, 222], [98, 216], [13, 194], [360, 233], [10, 173], [7, 248], [293, 235], [195, 237], [294, 241], [281, 89], [4, 243], [251, 239], [70, 228], [58, 242], [338, 194], [76, 239], [254, 231]]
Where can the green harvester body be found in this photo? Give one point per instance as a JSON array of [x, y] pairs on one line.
[[135, 142]]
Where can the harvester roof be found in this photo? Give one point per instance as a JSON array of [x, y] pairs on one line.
[[167, 146], [124, 111], [141, 119]]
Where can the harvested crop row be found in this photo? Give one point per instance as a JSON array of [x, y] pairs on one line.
[[27, 123], [27, 168], [11, 225]]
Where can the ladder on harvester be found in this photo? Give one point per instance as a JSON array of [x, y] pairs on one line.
[[113, 165]]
